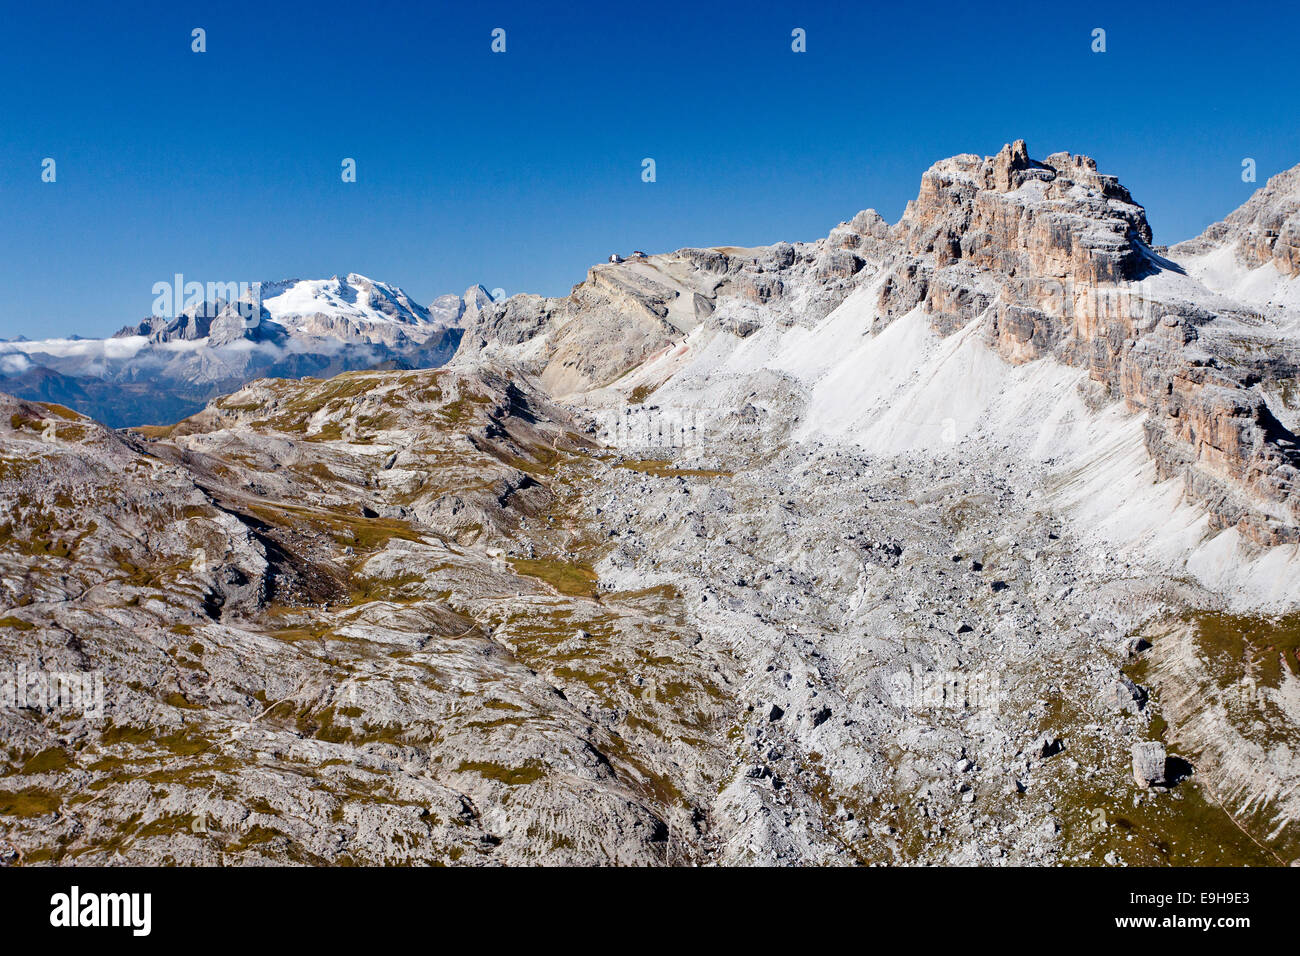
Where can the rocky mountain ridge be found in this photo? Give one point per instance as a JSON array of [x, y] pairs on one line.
[[1051, 259]]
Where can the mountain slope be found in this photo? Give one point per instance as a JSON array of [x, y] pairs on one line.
[[371, 582], [1026, 260], [1254, 254]]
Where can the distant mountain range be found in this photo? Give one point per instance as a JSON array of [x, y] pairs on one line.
[[166, 368]]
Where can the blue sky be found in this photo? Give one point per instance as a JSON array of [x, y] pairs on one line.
[[519, 170]]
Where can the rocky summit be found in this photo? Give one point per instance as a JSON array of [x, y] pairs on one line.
[[972, 538]]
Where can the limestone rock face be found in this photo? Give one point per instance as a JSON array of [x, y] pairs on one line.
[[1018, 237], [1055, 260]]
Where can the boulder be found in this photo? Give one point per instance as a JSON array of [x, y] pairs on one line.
[[1149, 764]]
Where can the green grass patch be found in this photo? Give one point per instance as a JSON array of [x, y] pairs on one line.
[[665, 469], [29, 802], [529, 772], [571, 580]]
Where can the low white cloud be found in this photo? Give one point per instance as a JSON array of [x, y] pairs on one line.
[[123, 348], [14, 363]]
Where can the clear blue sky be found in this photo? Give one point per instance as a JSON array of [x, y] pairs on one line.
[[521, 170]]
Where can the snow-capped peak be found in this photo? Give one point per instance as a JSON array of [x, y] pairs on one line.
[[355, 299]]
